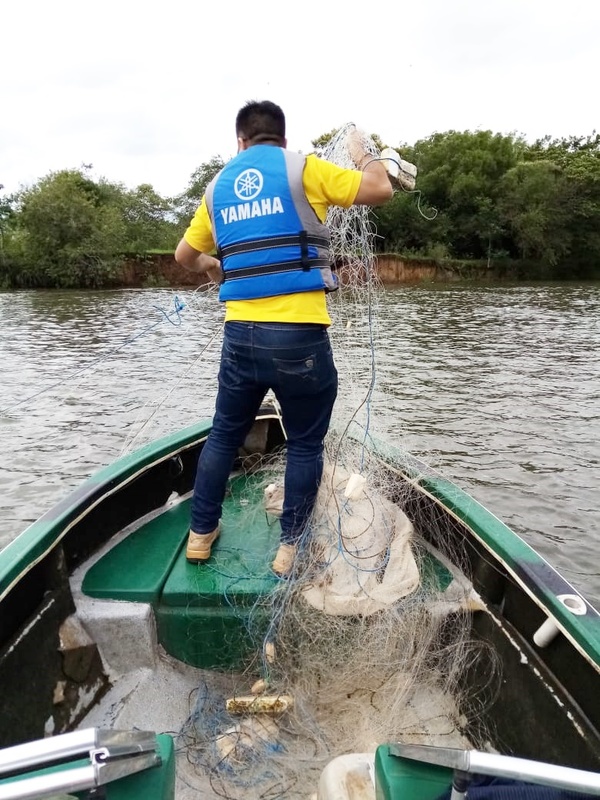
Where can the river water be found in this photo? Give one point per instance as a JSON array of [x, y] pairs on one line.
[[496, 386]]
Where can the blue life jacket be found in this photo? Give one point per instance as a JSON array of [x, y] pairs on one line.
[[269, 239]]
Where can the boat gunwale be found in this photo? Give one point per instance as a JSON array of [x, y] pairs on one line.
[[32, 545], [42, 536], [510, 549]]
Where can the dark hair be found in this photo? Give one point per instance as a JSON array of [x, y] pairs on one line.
[[261, 122]]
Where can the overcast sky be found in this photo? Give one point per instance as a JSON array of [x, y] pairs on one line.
[[146, 92]]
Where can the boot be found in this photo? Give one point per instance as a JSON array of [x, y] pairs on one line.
[[199, 545], [284, 560]]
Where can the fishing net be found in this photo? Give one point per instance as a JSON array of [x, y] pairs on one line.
[[366, 642], [369, 636]]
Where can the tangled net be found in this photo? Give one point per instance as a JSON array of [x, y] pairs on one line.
[[368, 638]]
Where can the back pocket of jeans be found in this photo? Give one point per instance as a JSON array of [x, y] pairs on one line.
[[297, 375]]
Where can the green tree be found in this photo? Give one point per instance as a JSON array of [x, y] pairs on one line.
[[187, 202], [7, 216], [583, 174], [71, 230], [149, 223], [407, 225], [534, 204], [459, 175], [561, 151], [578, 159]]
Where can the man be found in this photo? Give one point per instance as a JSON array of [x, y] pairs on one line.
[[264, 213]]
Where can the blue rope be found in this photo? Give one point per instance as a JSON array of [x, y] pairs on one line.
[[179, 305], [373, 372]]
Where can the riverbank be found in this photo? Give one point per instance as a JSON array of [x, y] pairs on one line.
[[395, 269], [161, 269]]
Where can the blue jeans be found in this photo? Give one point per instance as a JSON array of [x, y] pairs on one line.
[[296, 362]]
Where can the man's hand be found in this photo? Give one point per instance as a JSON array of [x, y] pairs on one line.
[[402, 172], [215, 273], [197, 262], [206, 263], [210, 266]]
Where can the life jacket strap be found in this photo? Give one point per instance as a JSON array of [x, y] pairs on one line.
[[302, 239], [271, 269], [304, 251]]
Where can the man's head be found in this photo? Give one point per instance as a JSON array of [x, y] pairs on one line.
[[260, 123]]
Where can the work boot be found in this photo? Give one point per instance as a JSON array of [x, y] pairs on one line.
[[284, 560], [199, 545]]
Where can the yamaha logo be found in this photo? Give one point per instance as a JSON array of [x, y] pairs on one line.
[[248, 184]]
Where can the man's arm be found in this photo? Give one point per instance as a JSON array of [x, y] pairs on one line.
[[375, 187], [198, 262]]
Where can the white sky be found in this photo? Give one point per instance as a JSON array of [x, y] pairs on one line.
[[146, 92]]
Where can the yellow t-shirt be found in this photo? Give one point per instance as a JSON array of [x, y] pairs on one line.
[[325, 185]]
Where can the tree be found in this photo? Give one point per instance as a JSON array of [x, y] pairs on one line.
[[560, 151], [459, 175], [405, 226], [149, 223], [187, 202], [71, 229], [7, 215], [533, 204], [578, 160]]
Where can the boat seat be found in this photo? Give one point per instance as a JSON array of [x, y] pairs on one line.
[[137, 568], [208, 615], [203, 611], [239, 570]]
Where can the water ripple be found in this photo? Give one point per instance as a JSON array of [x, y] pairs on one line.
[[497, 386]]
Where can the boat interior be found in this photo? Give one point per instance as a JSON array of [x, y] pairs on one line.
[[129, 633]]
